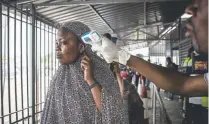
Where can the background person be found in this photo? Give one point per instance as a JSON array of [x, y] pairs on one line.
[[129, 94]]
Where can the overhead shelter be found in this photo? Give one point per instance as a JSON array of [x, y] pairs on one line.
[[28, 35], [139, 22]]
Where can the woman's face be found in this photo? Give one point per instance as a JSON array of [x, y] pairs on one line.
[[68, 48]]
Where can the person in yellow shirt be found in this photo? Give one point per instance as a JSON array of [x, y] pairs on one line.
[[188, 59]]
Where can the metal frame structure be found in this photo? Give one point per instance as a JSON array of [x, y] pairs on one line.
[[24, 73], [33, 26], [90, 2], [1, 69]]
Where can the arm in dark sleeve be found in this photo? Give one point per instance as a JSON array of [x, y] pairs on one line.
[[169, 79]]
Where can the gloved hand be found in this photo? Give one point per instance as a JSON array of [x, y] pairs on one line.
[[110, 51]]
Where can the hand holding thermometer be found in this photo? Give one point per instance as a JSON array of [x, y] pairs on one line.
[[94, 39], [106, 48]]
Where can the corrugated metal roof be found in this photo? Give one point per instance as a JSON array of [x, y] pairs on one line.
[[81, 13], [121, 19]]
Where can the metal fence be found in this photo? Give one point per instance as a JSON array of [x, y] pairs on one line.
[[160, 115], [27, 63]]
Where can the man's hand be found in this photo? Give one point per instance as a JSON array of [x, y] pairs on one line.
[[110, 51]]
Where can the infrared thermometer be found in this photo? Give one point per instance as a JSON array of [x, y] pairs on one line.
[[91, 37]]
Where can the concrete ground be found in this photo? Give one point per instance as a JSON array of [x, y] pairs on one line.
[[172, 107]]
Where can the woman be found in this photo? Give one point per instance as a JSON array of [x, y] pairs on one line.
[[79, 93]]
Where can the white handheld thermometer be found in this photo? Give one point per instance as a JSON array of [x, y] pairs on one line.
[[92, 37]]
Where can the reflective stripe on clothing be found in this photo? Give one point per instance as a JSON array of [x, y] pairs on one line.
[[195, 100], [206, 77], [205, 102], [190, 63], [187, 62]]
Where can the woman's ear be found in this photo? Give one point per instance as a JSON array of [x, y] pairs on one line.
[[81, 48]]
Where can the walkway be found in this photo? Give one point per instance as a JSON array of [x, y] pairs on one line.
[[172, 108]]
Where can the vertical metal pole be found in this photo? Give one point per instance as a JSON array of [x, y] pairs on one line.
[[179, 34], [1, 70], [40, 67], [21, 65], [154, 104], [52, 44], [152, 95], [164, 112], [27, 64], [179, 29], [160, 116], [48, 57], [44, 62], [15, 78], [33, 62], [145, 17], [36, 71], [55, 48], [158, 30], [137, 32], [8, 60]]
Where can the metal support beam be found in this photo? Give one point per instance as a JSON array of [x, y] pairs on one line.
[[15, 59], [134, 46], [158, 38], [125, 28], [148, 34], [95, 11], [154, 104], [21, 58], [94, 2], [8, 63], [146, 40], [179, 31], [24, 1], [158, 31], [1, 69], [163, 33], [33, 40], [128, 34], [145, 18], [140, 26]]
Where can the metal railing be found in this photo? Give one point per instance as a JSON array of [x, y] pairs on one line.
[[27, 63], [160, 115]]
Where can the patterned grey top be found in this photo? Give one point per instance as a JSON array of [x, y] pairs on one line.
[[69, 99]]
